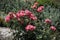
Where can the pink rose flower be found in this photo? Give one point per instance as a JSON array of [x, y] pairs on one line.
[[12, 14], [48, 21], [53, 28], [30, 28], [40, 9], [7, 18], [27, 12], [20, 13], [35, 5], [33, 17]]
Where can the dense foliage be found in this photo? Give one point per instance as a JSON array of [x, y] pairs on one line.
[[33, 21]]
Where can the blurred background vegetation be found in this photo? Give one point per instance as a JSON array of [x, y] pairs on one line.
[[13, 5]]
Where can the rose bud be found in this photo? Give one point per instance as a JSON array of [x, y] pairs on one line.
[[48, 21], [40, 9], [7, 18]]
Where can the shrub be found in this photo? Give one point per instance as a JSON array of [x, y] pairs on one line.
[[35, 25], [40, 23]]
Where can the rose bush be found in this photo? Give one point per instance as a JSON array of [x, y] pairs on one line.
[[34, 22]]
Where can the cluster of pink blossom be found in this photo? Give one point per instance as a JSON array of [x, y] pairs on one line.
[[19, 14], [29, 14], [9, 16], [48, 21], [39, 9]]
